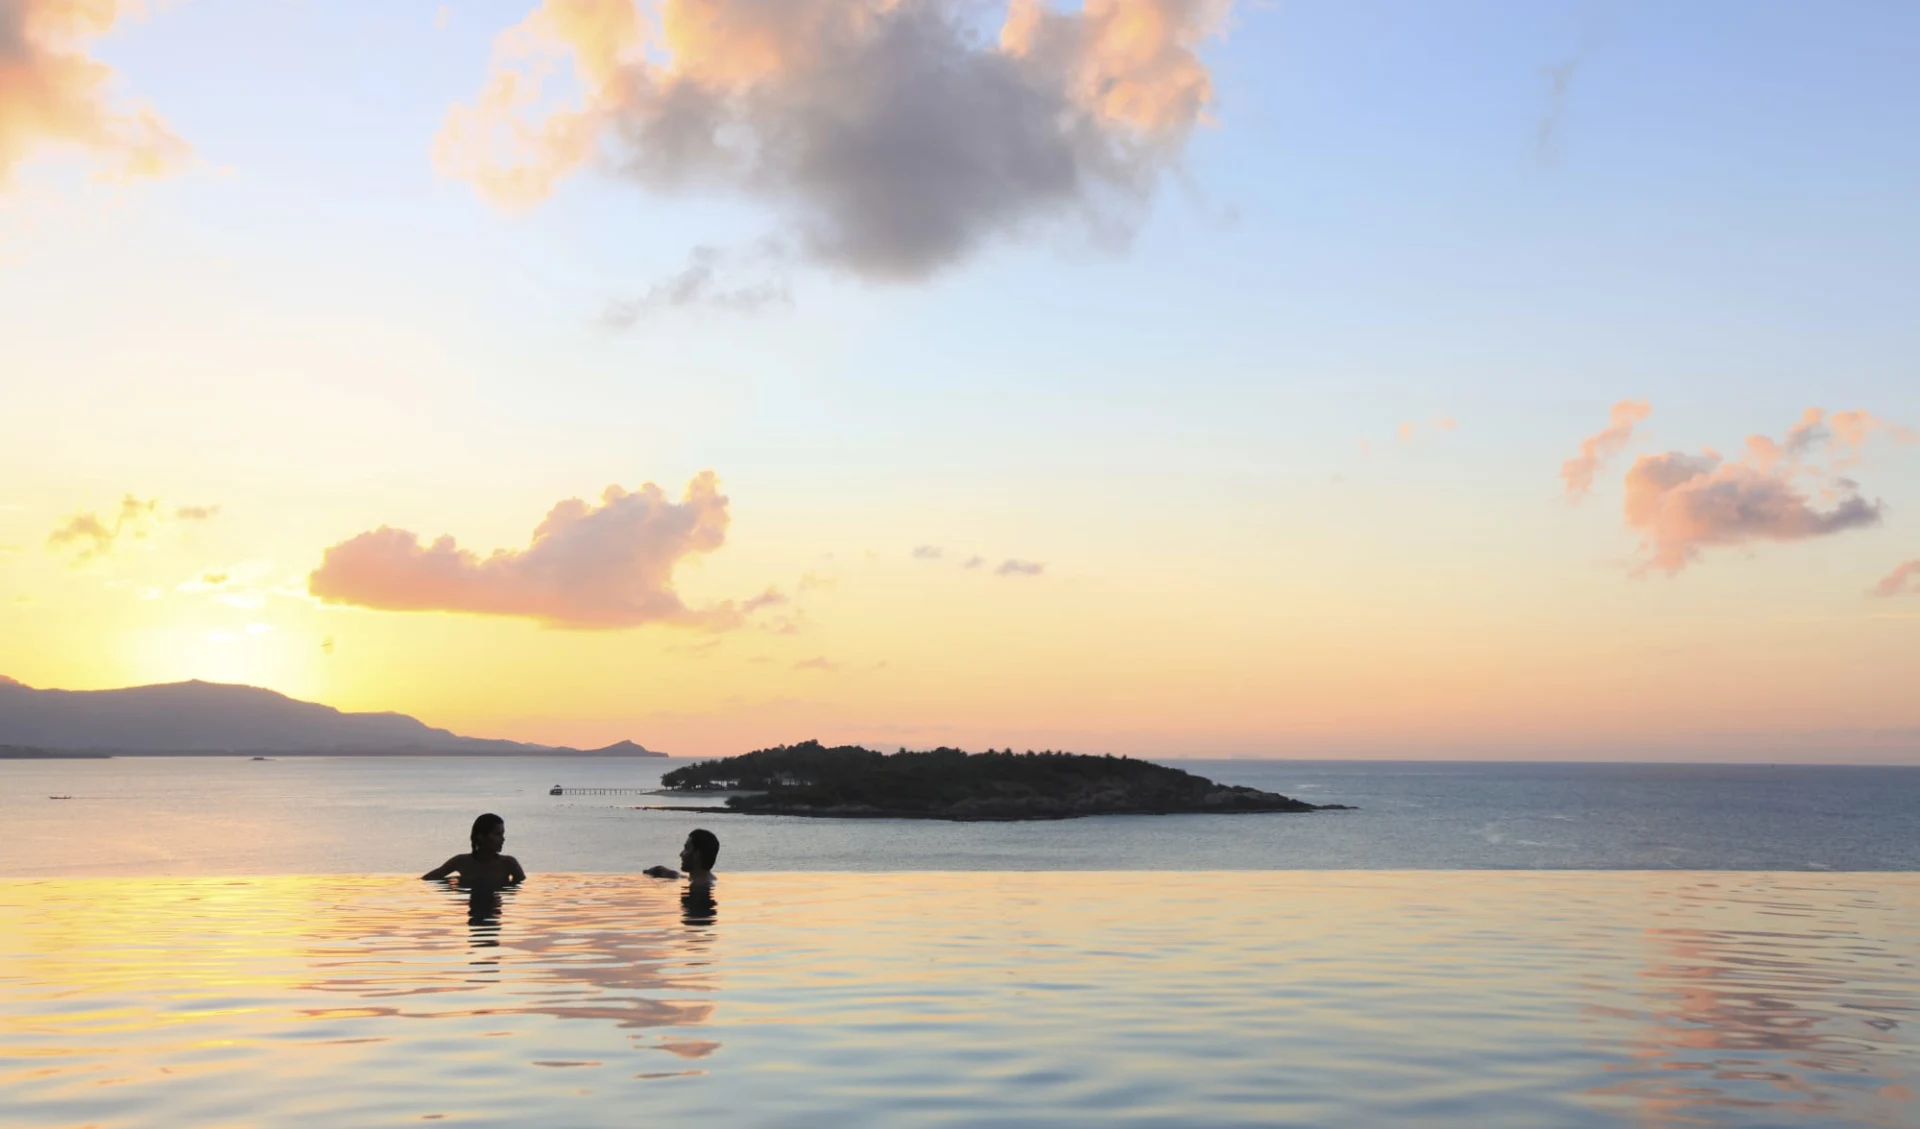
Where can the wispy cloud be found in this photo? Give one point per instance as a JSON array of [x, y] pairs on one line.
[[587, 566], [1904, 580], [1776, 491], [771, 598], [1019, 568], [1578, 472], [704, 283], [1409, 430], [888, 137], [928, 552], [53, 93], [819, 663], [196, 513], [89, 536]]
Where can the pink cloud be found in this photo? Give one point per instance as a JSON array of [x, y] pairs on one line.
[[1012, 567], [1681, 503], [1903, 580], [587, 566], [1579, 471], [52, 92]]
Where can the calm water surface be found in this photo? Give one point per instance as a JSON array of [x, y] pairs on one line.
[[1318, 998], [206, 816]]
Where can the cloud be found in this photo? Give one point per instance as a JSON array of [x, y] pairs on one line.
[[698, 285], [1560, 78], [771, 598], [1681, 503], [818, 662], [974, 562], [53, 92], [1903, 580], [587, 566], [92, 536], [192, 513], [928, 552], [1407, 431], [1578, 472], [1019, 568], [890, 137]]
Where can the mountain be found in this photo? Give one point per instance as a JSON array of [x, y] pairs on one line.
[[617, 749], [210, 717]]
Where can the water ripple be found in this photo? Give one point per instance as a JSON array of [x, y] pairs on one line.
[[1307, 998]]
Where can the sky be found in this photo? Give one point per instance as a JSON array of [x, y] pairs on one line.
[[1166, 377]]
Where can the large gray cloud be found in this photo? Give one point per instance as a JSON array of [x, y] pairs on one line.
[[892, 137]]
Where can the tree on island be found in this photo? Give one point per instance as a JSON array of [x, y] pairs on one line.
[[947, 783]]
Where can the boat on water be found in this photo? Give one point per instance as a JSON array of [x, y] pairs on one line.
[[555, 790], [59, 797]]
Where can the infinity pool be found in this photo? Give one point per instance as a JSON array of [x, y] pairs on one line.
[[1290, 998]]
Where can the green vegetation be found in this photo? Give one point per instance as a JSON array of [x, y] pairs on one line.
[[849, 781]]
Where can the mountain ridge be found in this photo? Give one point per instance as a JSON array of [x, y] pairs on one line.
[[213, 718]]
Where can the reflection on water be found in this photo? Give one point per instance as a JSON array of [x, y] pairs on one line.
[[697, 906], [1307, 998], [1745, 1017]]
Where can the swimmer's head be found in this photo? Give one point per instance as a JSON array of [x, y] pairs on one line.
[[489, 834], [702, 848]]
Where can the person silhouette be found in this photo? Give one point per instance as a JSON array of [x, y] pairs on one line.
[[697, 856], [484, 867]]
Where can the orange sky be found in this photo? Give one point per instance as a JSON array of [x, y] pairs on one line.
[[1110, 386]]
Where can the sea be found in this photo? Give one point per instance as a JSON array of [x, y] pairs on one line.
[[199, 816], [223, 941]]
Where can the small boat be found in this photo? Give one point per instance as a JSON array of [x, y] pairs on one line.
[[555, 790], [59, 797], [263, 758]]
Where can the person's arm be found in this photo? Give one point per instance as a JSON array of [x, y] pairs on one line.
[[661, 872], [514, 874], [445, 868]]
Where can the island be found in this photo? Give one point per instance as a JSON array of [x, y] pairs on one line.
[[850, 782]]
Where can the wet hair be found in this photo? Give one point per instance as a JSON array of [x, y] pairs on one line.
[[481, 825], [707, 843]]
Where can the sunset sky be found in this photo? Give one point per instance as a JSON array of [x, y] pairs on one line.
[[1168, 377]]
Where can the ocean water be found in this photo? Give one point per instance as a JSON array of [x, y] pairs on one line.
[[193, 817], [1323, 998]]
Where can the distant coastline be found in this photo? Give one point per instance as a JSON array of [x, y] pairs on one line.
[[210, 719], [10, 752]]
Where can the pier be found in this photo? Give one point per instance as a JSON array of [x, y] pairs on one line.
[[557, 790]]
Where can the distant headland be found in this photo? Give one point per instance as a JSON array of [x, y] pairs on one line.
[[850, 782], [216, 719]]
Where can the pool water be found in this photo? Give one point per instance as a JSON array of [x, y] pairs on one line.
[[1317, 998]]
